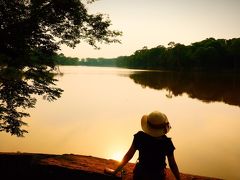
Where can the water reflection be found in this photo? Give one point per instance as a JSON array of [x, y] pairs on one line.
[[100, 110], [17, 87], [207, 87]]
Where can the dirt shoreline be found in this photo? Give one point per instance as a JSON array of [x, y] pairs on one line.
[[67, 166]]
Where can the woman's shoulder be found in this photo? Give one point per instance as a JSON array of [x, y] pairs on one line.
[[140, 133], [166, 137]]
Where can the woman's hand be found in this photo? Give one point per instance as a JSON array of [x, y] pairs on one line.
[[109, 171]]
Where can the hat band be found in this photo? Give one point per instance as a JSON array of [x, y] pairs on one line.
[[156, 126]]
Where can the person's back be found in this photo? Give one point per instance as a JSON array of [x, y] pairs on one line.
[[152, 154]]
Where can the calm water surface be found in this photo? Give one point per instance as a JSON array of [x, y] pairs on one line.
[[101, 108]]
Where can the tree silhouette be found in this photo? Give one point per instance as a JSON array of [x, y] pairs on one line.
[[31, 33], [207, 55]]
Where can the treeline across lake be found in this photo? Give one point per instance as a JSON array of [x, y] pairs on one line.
[[209, 54], [60, 59]]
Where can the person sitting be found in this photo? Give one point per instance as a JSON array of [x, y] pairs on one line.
[[153, 146]]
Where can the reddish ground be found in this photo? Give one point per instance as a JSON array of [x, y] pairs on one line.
[[70, 166]]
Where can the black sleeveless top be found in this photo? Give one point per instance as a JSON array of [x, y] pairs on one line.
[[152, 151]]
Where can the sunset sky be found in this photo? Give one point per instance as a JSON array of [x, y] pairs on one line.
[[157, 22]]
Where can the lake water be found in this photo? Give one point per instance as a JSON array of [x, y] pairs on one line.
[[100, 110]]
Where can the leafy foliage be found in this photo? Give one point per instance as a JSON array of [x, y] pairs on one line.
[[31, 33], [209, 54], [16, 90], [60, 59]]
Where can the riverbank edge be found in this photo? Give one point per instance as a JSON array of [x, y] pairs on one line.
[[69, 166]]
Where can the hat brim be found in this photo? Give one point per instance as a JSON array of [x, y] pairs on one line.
[[150, 131]]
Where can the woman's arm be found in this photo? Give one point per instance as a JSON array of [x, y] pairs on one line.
[[125, 159], [173, 166]]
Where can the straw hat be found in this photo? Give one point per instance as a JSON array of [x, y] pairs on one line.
[[155, 124]]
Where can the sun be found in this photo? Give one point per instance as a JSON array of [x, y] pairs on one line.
[[117, 156]]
